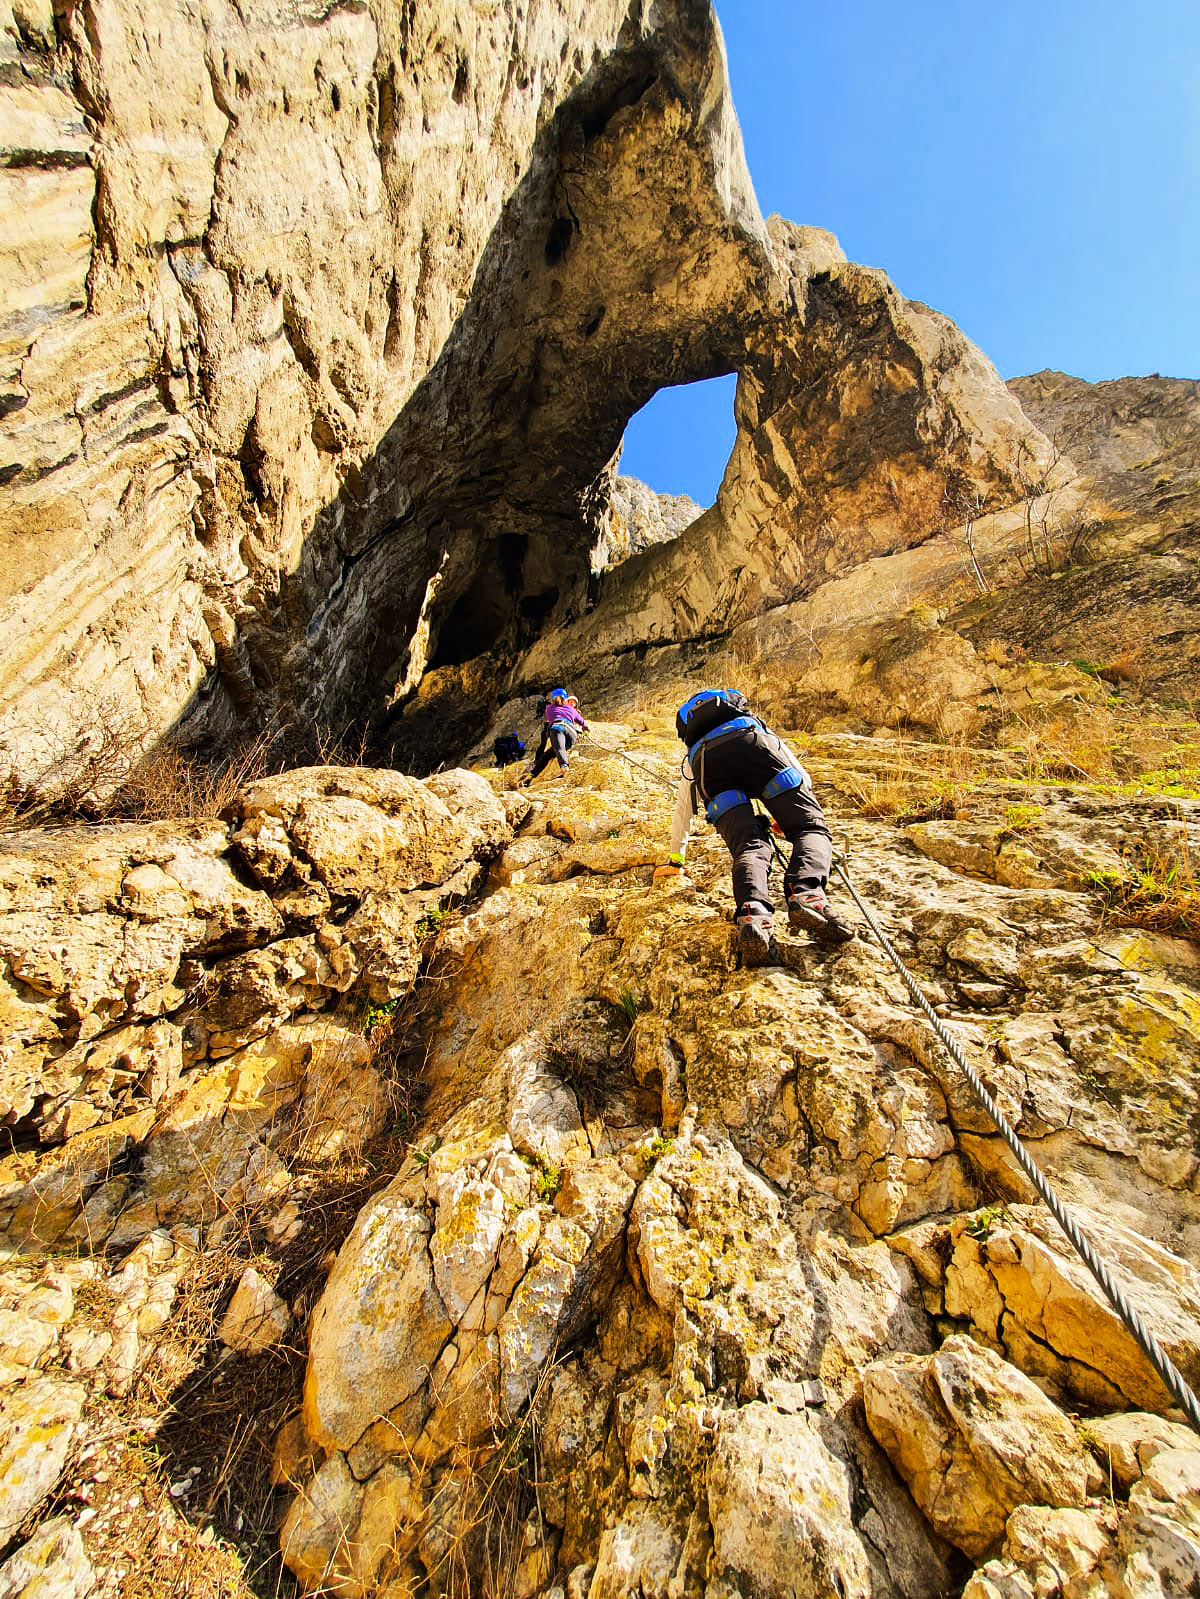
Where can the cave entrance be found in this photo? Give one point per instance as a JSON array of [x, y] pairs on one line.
[[482, 616], [680, 441]]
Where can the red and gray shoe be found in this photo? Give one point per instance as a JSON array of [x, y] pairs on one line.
[[809, 911], [754, 925]]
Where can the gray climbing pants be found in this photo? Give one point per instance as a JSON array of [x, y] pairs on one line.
[[748, 760], [556, 741]]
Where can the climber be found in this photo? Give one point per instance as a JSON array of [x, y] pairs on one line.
[[561, 725], [732, 759], [508, 747]]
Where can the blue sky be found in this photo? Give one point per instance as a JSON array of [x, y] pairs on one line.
[[1032, 170]]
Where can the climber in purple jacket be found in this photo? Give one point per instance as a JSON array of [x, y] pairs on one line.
[[561, 725]]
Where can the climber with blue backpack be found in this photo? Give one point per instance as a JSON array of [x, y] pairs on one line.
[[733, 759]]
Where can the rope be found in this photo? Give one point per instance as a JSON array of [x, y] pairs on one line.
[[621, 755], [1170, 1374]]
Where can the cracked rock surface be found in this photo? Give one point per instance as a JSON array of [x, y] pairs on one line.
[[740, 1244]]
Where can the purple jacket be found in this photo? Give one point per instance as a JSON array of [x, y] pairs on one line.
[[564, 713]]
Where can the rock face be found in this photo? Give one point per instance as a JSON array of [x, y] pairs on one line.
[[1134, 540], [164, 990], [679, 1219], [321, 329], [729, 1261], [248, 479], [637, 518], [806, 494]]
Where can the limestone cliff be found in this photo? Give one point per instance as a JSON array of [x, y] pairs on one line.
[[400, 1188], [636, 518], [321, 327]]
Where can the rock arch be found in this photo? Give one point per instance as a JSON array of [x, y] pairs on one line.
[[340, 323]]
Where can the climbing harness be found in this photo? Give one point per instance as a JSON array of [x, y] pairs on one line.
[[722, 802], [1166, 1369], [735, 724], [1170, 1374]]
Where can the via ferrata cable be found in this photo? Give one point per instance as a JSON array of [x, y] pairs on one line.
[[1163, 1365], [1169, 1373]]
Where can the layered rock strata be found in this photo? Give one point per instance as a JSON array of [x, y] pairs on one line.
[[321, 330]]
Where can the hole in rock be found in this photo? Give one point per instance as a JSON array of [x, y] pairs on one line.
[[679, 442], [558, 240], [536, 607]]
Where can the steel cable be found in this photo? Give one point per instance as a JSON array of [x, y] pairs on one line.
[[1170, 1374], [1163, 1365]]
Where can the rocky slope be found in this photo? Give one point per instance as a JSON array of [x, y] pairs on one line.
[[732, 1255]]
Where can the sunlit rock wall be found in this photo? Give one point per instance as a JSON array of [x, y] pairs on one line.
[[320, 330]]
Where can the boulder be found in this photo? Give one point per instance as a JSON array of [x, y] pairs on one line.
[[52, 1565], [1022, 1283], [379, 1326], [973, 1438], [256, 1317], [38, 1421], [780, 1502]]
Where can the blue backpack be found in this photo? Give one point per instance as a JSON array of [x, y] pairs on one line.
[[508, 747], [707, 710]]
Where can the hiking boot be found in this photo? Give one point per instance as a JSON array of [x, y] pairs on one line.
[[754, 926], [809, 911]]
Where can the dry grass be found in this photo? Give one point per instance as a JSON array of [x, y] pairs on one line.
[[188, 1473], [941, 785], [169, 785], [1161, 894], [494, 1522], [1077, 748], [118, 769]]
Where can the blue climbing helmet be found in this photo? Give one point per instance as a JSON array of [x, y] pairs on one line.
[[557, 694], [707, 710]]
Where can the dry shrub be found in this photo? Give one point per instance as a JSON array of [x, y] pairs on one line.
[[116, 770], [1161, 895], [77, 770], [1124, 668], [347, 748], [998, 652], [169, 785]]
